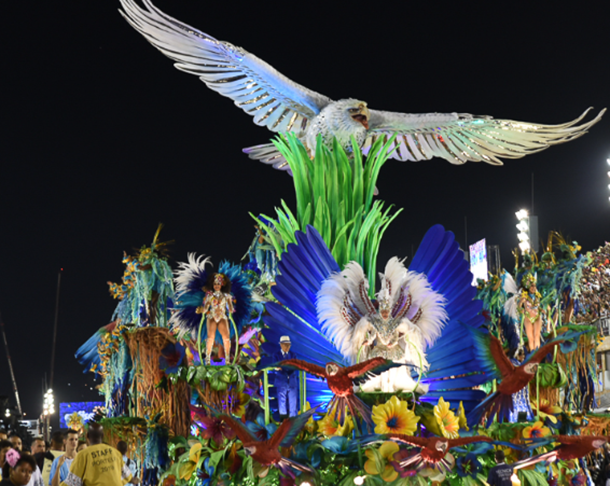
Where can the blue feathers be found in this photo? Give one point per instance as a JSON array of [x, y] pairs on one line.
[[453, 354]]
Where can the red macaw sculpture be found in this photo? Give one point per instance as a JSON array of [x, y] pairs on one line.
[[570, 447], [513, 378], [266, 452], [433, 449], [341, 381]]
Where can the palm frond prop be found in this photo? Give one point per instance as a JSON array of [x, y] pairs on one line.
[[334, 194]]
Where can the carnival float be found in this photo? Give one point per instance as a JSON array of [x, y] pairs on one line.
[[305, 365]]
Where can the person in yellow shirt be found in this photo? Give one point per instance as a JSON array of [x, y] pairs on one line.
[[99, 464]]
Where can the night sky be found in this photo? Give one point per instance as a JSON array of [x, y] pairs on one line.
[[103, 139]]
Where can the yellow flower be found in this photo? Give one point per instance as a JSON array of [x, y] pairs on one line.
[[536, 430], [378, 462], [330, 426], [462, 417], [446, 419], [547, 410], [394, 417], [311, 425]]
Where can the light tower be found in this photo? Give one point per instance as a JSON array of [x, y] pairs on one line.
[[48, 409], [528, 231]]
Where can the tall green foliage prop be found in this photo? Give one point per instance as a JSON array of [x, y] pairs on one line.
[[334, 194]]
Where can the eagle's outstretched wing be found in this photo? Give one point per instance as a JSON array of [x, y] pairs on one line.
[[271, 98], [460, 137]]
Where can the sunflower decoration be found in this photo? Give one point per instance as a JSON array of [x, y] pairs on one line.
[[329, 426], [448, 423], [536, 431], [379, 461], [393, 417]]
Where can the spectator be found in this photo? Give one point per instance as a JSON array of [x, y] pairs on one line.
[[61, 466], [17, 469], [38, 445], [122, 448], [99, 464], [56, 449], [15, 441], [5, 445]]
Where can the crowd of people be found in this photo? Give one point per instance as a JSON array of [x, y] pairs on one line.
[[67, 460]]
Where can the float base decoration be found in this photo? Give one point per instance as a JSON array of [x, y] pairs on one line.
[[198, 424], [152, 393]]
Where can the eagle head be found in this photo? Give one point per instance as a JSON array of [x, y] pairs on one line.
[[332, 369], [358, 111], [250, 450], [599, 443]]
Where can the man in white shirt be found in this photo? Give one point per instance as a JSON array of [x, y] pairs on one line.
[[61, 465]]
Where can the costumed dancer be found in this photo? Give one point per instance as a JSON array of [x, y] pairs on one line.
[[409, 317], [334, 310], [216, 301], [286, 381], [531, 311]]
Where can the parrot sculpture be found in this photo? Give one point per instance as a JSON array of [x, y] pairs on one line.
[[513, 378], [433, 449], [570, 447], [266, 452], [87, 355], [282, 105], [341, 381]]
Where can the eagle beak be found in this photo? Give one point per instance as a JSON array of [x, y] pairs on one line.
[[362, 116]]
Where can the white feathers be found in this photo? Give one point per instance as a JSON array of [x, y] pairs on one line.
[[510, 287], [342, 304], [184, 275], [348, 318], [428, 309], [186, 271]]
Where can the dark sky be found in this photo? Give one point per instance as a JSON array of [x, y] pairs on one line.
[[103, 139]]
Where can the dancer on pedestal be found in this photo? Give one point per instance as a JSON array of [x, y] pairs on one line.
[[217, 301]]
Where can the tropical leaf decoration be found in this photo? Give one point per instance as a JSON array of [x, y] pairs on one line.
[[334, 194]]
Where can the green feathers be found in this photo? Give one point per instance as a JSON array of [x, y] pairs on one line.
[[334, 194]]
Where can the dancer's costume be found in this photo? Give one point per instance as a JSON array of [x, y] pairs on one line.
[[190, 278]]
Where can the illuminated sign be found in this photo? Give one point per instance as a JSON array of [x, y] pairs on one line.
[[478, 261], [84, 409]]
